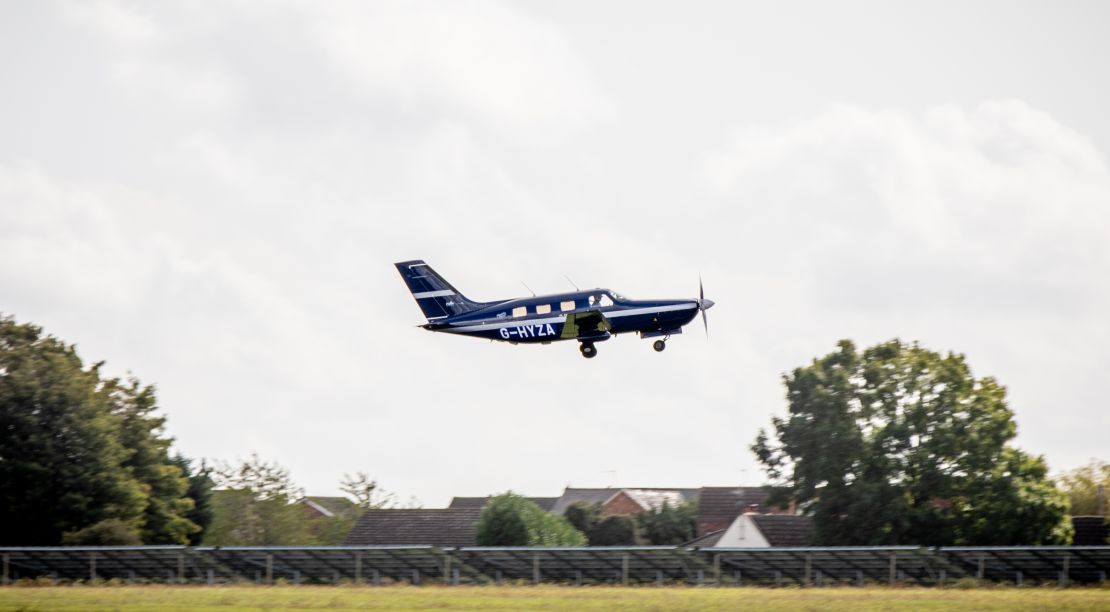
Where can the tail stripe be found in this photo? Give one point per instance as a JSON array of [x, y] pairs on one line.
[[432, 294]]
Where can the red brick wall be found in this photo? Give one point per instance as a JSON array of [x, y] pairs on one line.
[[621, 504]]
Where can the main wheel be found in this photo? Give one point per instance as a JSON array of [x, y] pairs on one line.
[[659, 345], [589, 351]]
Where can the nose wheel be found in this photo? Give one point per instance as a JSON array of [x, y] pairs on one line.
[[589, 351], [659, 345]]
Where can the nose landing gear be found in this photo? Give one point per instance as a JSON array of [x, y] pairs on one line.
[[589, 351], [659, 345]]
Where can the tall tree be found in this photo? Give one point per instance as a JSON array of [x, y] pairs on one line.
[[252, 506], [366, 492], [165, 518], [901, 445], [1087, 488], [200, 491], [511, 520], [61, 461]]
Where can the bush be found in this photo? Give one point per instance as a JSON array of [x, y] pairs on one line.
[[511, 520], [109, 532]]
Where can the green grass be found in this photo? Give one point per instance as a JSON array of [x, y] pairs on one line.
[[544, 598]]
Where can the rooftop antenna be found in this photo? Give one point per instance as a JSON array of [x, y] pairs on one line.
[[528, 288], [612, 482], [571, 283]]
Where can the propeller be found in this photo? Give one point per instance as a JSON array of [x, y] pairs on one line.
[[703, 305]]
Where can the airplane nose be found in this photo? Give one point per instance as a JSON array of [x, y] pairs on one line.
[[705, 304]]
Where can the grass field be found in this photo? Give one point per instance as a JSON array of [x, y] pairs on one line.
[[545, 598]]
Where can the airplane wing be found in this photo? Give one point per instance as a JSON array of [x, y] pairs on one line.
[[590, 324]]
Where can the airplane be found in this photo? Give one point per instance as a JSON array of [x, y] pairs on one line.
[[588, 317]]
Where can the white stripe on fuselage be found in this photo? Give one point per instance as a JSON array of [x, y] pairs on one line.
[[561, 318], [431, 294]]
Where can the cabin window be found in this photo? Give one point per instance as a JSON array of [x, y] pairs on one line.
[[606, 300], [520, 311], [567, 306], [543, 308]]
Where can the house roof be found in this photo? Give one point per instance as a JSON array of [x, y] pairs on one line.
[[330, 506], [436, 527], [648, 497], [1090, 530], [480, 502], [719, 506], [708, 540], [785, 529]]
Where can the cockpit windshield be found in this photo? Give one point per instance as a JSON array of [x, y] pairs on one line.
[[618, 297]]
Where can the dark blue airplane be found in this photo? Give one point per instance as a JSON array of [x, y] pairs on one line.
[[586, 316]]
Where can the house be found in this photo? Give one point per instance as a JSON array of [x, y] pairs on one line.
[[718, 507], [328, 507], [624, 501], [443, 527], [752, 530]]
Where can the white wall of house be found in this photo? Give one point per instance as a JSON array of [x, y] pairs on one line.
[[743, 533]]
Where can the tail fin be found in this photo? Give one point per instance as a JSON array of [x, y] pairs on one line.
[[435, 296]]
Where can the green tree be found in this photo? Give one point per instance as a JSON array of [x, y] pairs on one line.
[[669, 525], [253, 506], [511, 520], [165, 518], [1081, 485], [583, 516], [901, 445], [200, 491], [614, 530], [61, 461]]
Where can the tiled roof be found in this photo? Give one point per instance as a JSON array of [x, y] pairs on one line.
[[1090, 530], [599, 496], [785, 529], [438, 527], [330, 506], [708, 540], [719, 506], [589, 496], [480, 502]]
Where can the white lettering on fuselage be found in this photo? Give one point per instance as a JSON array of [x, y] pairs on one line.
[[527, 331]]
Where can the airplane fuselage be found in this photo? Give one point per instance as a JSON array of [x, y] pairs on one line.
[[544, 317]]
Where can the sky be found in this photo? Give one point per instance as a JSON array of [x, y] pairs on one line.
[[210, 197]]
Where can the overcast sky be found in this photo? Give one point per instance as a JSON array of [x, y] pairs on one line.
[[211, 195]]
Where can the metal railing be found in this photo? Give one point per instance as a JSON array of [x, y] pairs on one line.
[[812, 566]]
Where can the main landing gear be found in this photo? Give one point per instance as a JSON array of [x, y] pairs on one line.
[[589, 351], [659, 345]]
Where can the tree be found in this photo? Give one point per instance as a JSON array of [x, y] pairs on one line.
[[615, 530], [365, 491], [1082, 488], [511, 520], [62, 466], [901, 445], [252, 506], [164, 483], [669, 525], [200, 491]]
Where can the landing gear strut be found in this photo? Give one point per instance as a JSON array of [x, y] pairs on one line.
[[659, 345], [589, 351]]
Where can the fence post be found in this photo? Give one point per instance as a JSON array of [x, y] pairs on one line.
[[893, 568], [1064, 574], [447, 568], [376, 577], [701, 577], [269, 569], [659, 577], [778, 577], [211, 577], [535, 568], [497, 577], [92, 566], [982, 567], [859, 577], [1017, 580], [577, 577], [7, 569], [624, 570], [358, 567], [181, 567], [717, 570], [455, 578], [738, 575], [416, 577], [808, 571]]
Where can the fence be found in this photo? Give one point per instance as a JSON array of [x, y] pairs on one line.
[[1062, 565]]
